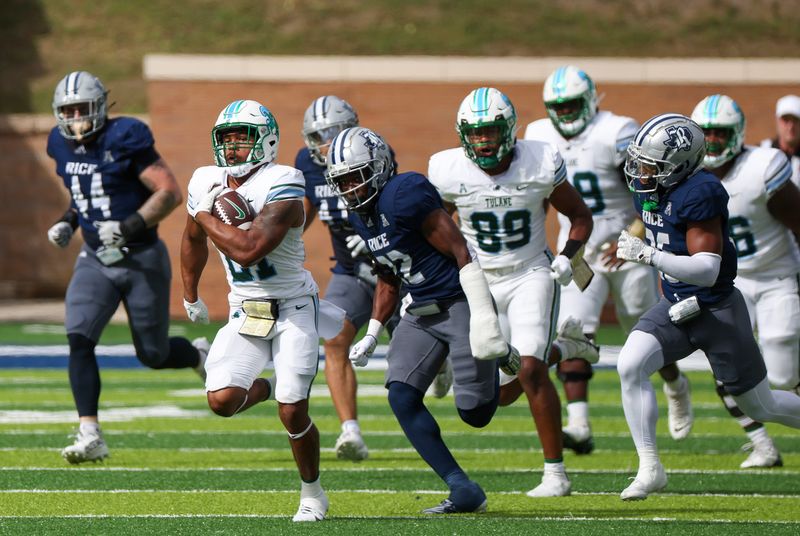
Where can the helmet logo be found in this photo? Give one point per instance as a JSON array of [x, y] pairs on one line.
[[680, 138], [371, 140]]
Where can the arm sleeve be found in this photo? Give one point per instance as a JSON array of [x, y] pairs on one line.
[[700, 269]]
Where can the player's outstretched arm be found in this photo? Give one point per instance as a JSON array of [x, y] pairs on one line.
[[247, 247]]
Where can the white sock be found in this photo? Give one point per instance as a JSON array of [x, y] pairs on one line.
[[648, 457], [578, 413], [351, 426], [758, 435], [554, 468], [89, 427], [310, 489], [677, 386]]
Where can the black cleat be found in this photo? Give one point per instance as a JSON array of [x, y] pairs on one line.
[[447, 507]]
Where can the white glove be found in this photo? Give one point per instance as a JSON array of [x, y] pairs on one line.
[[485, 338], [110, 233], [360, 352], [197, 311], [561, 270], [631, 248], [60, 234], [356, 245], [207, 202]]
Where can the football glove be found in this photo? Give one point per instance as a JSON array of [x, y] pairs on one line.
[[197, 311], [207, 202], [561, 270], [356, 245], [60, 234], [633, 249], [110, 233], [362, 350]]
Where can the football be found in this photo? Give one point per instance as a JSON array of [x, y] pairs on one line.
[[233, 209]]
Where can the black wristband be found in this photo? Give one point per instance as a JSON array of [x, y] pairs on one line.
[[71, 217], [571, 248], [132, 226]]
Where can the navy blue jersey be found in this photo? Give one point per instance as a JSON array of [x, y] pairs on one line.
[[700, 197], [393, 233], [331, 211], [103, 175]]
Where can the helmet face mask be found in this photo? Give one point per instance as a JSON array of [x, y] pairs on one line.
[[570, 98], [487, 126], [244, 124], [667, 149], [715, 114], [324, 118], [359, 165], [79, 105]]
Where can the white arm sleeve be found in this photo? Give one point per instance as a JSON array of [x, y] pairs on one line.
[[700, 269], [485, 338]]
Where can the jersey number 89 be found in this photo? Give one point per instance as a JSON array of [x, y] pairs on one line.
[[490, 231]]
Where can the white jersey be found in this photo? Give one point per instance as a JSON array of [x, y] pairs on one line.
[[593, 160], [280, 274], [794, 159], [501, 216], [765, 247]]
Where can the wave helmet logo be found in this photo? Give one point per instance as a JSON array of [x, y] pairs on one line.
[[680, 138]]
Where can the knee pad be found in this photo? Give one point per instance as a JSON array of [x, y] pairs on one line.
[[574, 376]]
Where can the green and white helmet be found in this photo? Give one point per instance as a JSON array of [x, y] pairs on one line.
[[487, 107], [86, 91], [262, 131], [568, 83], [720, 111]]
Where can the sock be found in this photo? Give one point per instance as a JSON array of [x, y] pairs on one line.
[[351, 425], [421, 428], [310, 489], [578, 413], [758, 435], [678, 385], [89, 427], [84, 375], [554, 468], [648, 457]]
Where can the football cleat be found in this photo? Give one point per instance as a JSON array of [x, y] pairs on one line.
[[350, 446], [448, 507], [443, 380], [312, 508], [680, 415], [578, 438], [574, 344], [763, 453], [203, 346], [552, 485], [89, 447], [648, 480], [511, 363]]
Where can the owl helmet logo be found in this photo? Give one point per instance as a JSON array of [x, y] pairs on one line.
[[371, 140], [680, 138]]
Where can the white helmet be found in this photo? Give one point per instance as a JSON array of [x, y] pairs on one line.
[[325, 117], [359, 164], [720, 111], [85, 90], [565, 84], [487, 107], [665, 150], [262, 134]]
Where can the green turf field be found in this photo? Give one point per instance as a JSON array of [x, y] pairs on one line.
[[177, 469]]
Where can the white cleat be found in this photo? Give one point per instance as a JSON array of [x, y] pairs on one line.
[[648, 480], [680, 415], [552, 485], [574, 344], [203, 346], [763, 453], [351, 446], [87, 448], [312, 508], [443, 380]]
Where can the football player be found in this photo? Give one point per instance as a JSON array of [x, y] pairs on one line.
[[352, 285], [763, 221], [273, 299], [593, 144], [684, 209], [787, 119], [500, 187], [121, 188], [418, 246]]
